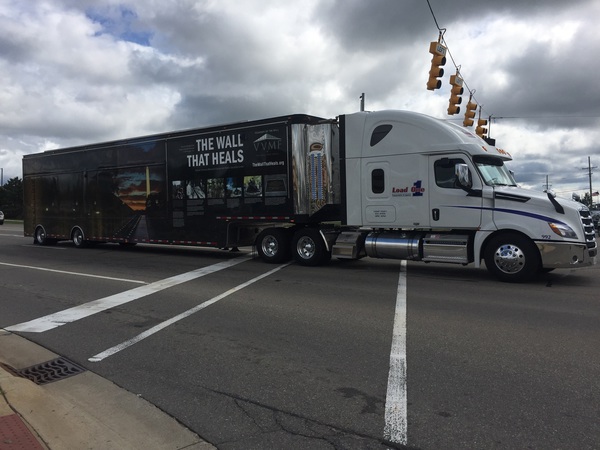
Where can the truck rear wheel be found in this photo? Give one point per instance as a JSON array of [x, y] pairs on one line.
[[309, 247], [273, 245], [512, 257]]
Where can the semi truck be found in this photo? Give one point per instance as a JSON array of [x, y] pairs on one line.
[[381, 184]]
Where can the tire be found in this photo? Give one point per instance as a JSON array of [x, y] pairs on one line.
[[273, 245], [78, 238], [39, 236], [512, 257], [308, 247]]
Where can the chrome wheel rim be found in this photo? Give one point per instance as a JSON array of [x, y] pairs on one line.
[[509, 258], [306, 247], [270, 246], [78, 237]]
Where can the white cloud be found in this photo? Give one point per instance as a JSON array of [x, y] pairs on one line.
[[76, 71]]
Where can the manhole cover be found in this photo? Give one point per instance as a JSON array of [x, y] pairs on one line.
[[50, 371]]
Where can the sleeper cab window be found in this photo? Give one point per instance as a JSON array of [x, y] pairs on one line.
[[379, 133], [377, 181]]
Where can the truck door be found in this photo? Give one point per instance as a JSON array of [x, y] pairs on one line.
[[450, 206], [394, 192]]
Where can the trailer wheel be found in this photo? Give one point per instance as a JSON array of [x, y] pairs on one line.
[[309, 247], [39, 236], [273, 245], [512, 257], [78, 238]]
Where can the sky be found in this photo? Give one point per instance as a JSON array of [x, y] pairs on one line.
[[82, 71]]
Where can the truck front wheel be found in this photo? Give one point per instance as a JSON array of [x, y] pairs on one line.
[[309, 247], [512, 257], [273, 245]]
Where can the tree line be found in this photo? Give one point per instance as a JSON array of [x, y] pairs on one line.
[[11, 199]]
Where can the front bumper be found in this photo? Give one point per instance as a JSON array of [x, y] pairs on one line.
[[565, 254]]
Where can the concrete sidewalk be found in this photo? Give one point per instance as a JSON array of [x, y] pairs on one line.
[[83, 411]]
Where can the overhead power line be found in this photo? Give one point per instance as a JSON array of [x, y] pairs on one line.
[[442, 31], [439, 51]]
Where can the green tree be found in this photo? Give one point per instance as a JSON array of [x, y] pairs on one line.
[[11, 198], [587, 200]]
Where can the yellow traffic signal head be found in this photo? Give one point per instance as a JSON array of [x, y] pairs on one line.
[[457, 84], [453, 109], [434, 82], [456, 90], [481, 130], [469, 114], [439, 59], [455, 94]]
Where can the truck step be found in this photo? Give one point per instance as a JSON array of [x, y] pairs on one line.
[[349, 245]]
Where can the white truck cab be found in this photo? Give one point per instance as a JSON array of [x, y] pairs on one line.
[[434, 191]]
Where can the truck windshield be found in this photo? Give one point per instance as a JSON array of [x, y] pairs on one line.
[[493, 171]]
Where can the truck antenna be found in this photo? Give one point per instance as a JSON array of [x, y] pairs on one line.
[[362, 101]]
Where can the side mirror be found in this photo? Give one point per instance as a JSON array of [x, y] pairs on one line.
[[463, 176]]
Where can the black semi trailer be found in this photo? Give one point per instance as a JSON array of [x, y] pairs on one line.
[[218, 187]]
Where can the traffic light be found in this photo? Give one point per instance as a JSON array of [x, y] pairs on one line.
[[469, 114], [455, 94], [480, 130], [437, 61]]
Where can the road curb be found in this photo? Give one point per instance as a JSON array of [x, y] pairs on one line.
[[84, 410]]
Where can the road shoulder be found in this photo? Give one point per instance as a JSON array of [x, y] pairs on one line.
[[84, 410]]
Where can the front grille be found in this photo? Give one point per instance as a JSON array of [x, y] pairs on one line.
[[588, 229]]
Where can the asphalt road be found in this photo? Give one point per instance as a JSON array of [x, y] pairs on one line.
[[300, 357]]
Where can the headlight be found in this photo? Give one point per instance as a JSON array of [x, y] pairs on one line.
[[563, 230]]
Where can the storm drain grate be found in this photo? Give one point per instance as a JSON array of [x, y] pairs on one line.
[[50, 371]]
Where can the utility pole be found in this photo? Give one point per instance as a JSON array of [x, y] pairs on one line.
[[547, 185], [589, 169]]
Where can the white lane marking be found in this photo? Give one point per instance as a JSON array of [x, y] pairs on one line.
[[87, 309], [79, 274], [396, 401], [44, 247], [155, 329]]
